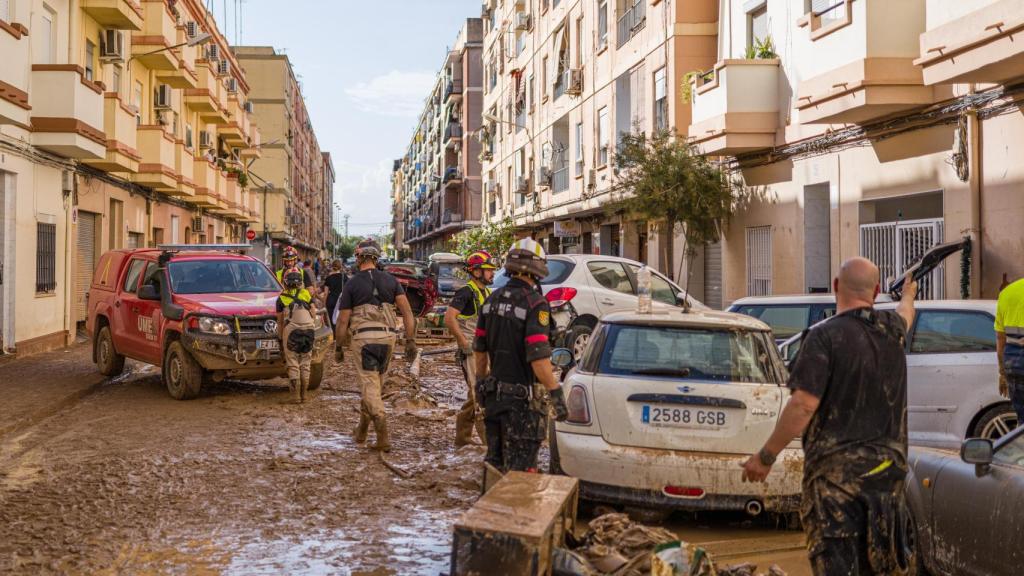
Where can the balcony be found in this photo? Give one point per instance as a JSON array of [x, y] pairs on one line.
[[184, 163], [982, 46], [67, 111], [452, 134], [122, 143], [453, 91], [14, 78], [118, 14], [875, 45], [207, 98], [159, 31], [184, 75], [205, 179], [735, 107], [234, 130], [632, 22], [156, 170], [252, 151]]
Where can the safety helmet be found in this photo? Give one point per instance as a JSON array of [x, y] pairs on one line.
[[289, 253], [368, 249], [527, 256], [293, 278], [481, 260]]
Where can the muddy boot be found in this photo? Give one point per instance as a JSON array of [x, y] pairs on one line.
[[464, 427], [291, 393], [296, 391], [303, 391], [480, 431], [383, 443], [359, 434]]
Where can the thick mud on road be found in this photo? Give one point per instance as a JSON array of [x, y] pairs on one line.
[[129, 481]]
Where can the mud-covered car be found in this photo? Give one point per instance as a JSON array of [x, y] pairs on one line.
[[665, 407], [418, 285], [201, 313]]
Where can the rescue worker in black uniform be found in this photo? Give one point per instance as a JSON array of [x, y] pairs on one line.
[[512, 350], [849, 401]]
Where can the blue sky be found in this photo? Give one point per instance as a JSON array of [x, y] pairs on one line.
[[365, 68]]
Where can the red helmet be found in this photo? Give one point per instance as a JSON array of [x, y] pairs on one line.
[[481, 259]]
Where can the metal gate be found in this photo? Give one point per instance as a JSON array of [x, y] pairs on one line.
[[894, 246], [85, 262], [759, 261]]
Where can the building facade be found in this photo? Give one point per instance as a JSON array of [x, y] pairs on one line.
[[439, 176], [875, 128], [296, 195], [122, 124]]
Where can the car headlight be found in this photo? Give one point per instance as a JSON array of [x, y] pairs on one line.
[[214, 325]]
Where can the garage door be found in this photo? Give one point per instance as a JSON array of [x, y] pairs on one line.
[[713, 275], [86, 262]]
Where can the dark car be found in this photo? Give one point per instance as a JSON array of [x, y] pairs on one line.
[[419, 286], [967, 510]]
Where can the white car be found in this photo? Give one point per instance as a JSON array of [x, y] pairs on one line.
[[952, 373], [665, 407], [582, 288]]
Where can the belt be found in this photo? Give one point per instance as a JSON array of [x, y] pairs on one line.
[[1015, 331], [515, 390], [373, 329]]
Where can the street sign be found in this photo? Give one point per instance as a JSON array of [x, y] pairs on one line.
[[567, 228], [250, 235]]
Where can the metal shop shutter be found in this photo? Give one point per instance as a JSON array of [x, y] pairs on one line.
[[86, 262], [713, 275]]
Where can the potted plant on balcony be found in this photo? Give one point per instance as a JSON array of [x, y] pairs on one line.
[[761, 49]]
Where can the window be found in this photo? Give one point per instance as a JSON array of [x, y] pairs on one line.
[[828, 11], [46, 257], [602, 136], [786, 321], [131, 279], [5, 10], [220, 276], [757, 25], [759, 261], [188, 136], [544, 78], [90, 55], [579, 148], [579, 42], [661, 289], [611, 275], [137, 101], [940, 331], [558, 271], [44, 48], [660, 101], [115, 79], [175, 226], [1011, 453], [602, 24]]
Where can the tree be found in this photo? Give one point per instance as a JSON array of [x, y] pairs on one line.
[[666, 180], [495, 237]]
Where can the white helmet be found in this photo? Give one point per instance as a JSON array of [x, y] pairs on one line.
[[526, 256]]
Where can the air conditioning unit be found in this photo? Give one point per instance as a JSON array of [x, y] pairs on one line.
[[205, 140], [574, 84], [521, 184], [248, 107], [192, 29], [163, 97], [213, 52], [112, 46], [232, 85], [223, 68], [545, 176], [522, 21]]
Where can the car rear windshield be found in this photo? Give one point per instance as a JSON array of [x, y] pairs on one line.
[[558, 271], [688, 353], [215, 276]]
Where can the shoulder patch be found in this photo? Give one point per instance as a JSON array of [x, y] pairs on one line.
[[543, 317]]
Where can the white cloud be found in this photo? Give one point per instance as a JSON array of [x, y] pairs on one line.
[[363, 191], [397, 93]]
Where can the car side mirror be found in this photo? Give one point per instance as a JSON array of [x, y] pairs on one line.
[[977, 451], [149, 292], [561, 357]]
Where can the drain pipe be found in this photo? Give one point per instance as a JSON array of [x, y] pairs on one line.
[[974, 182], [754, 508]]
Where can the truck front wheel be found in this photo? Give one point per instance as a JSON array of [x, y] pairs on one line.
[[316, 375], [183, 376], [108, 360]]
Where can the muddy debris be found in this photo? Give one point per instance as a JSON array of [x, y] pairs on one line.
[[749, 569]]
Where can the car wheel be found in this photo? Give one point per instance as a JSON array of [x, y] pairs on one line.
[[316, 375], [908, 552], [995, 423], [108, 360], [577, 340], [554, 461], [183, 376]]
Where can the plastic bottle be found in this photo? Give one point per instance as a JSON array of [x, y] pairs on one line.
[[643, 290]]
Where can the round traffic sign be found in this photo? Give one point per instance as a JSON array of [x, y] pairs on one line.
[[250, 235]]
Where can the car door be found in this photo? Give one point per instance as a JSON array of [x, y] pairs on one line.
[[978, 520], [150, 318], [126, 305], [612, 287], [951, 363]]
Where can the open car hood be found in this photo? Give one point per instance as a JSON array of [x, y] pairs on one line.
[[928, 262]]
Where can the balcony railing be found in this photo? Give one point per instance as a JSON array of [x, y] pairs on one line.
[[454, 87], [450, 217], [560, 180], [632, 22], [452, 131]]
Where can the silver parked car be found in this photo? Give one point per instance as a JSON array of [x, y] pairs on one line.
[[952, 373]]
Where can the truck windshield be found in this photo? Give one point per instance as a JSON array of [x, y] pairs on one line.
[[215, 276]]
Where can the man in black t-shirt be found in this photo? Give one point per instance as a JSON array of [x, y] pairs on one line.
[[849, 401]]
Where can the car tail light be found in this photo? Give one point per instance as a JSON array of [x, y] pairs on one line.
[[560, 296], [579, 412], [684, 491]]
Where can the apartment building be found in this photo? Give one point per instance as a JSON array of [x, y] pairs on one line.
[[877, 128], [122, 124], [439, 175], [295, 190], [562, 80]]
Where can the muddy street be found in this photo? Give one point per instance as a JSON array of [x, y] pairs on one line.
[[127, 480]]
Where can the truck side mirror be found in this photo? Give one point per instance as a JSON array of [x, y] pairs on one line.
[[149, 292]]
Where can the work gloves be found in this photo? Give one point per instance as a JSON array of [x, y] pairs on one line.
[[410, 349], [558, 402]]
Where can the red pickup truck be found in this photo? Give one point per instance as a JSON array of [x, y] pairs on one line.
[[201, 313]]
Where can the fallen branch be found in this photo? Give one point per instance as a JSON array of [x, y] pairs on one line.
[[398, 471]]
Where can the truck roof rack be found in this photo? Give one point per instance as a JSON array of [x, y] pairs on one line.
[[202, 247]]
